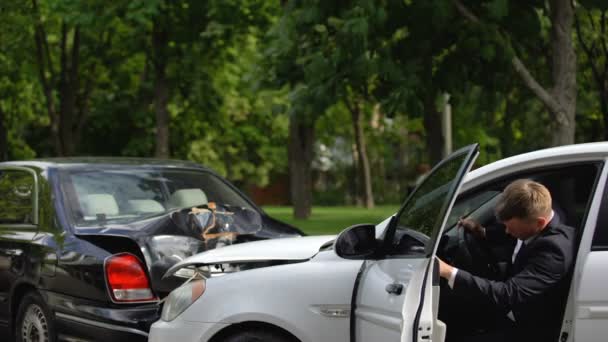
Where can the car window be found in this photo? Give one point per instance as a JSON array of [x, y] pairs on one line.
[[425, 209], [16, 197], [600, 235], [465, 206], [571, 187], [125, 195]]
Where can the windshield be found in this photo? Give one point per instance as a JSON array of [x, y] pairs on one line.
[[123, 195]]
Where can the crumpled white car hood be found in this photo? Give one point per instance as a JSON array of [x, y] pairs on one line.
[[298, 248]]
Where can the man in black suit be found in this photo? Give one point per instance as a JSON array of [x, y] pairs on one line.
[[531, 298]]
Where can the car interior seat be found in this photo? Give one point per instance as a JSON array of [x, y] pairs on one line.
[[146, 206], [184, 198], [96, 204]]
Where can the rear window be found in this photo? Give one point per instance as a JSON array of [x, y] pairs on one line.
[[16, 197], [126, 195]]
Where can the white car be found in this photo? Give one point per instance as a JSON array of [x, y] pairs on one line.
[[377, 283]]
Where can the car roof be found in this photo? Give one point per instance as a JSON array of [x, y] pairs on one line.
[[540, 158], [77, 162]]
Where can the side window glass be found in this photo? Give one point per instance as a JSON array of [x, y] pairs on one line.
[[424, 210], [600, 236], [16, 197], [466, 206]]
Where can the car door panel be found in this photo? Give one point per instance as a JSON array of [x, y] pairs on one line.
[[383, 322], [592, 300], [424, 325], [14, 251], [588, 303], [412, 298], [18, 226], [379, 315]]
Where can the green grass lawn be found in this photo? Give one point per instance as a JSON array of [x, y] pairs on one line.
[[332, 220]]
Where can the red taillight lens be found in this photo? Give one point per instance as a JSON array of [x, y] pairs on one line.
[[127, 279]]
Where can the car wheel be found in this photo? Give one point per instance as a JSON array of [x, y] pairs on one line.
[[34, 320], [258, 336]]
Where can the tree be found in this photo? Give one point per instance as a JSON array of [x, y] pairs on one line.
[[327, 52], [19, 100], [283, 71], [560, 99], [244, 138], [590, 22], [185, 37], [300, 155], [61, 65], [160, 40]]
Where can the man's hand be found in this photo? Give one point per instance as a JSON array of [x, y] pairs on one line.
[[445, 270], [473, 227]]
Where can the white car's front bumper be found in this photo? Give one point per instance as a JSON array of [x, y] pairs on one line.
[[183, 331]]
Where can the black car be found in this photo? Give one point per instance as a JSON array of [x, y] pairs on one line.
[[84, 243]]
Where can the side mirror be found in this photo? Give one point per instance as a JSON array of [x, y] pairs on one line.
[[357, 242]]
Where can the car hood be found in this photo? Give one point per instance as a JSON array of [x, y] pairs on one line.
[[286, 249]]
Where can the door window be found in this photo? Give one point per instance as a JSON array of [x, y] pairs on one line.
[[464, 208], [425, 209], [600, 236], [17, 191]]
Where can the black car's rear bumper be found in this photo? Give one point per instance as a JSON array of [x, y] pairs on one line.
[[86, 320], [75, 328]]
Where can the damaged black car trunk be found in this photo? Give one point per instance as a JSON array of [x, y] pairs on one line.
[[88, 240], [164, 240]]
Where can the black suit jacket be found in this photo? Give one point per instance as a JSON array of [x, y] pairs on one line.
[[537, 287]]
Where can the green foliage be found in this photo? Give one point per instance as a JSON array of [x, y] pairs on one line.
[[497, 9], [19, 97], [237, 70], [243, 138]]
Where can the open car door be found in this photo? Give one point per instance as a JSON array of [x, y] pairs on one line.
[[388, 292], [421, 302]]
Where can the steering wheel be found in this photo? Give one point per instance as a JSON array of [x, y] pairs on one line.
[[474, 255]]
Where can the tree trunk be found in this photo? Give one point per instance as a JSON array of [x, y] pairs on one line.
[[506, 140], [563, 72], [363, 173], [161, 90], [44, 63], [300, 155], [433, 129], [161, 99], [67, 117], [68, 88], [355, 179], [3, 136], [594, 51], [604, 108]]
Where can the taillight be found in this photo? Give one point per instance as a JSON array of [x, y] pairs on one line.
[[127, 279]]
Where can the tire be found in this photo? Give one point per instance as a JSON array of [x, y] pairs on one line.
[[259, 335], [34, 320]]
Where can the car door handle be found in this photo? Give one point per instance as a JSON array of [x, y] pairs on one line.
[[394, 288]]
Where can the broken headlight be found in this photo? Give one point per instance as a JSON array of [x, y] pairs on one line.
[[181, 298]]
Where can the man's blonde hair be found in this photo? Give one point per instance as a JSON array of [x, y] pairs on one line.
[[523, 199]]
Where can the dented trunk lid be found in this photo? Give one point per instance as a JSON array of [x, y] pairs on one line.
[[288, 249], [165, 240]]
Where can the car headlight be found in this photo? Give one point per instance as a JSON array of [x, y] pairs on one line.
[[181, 298]]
